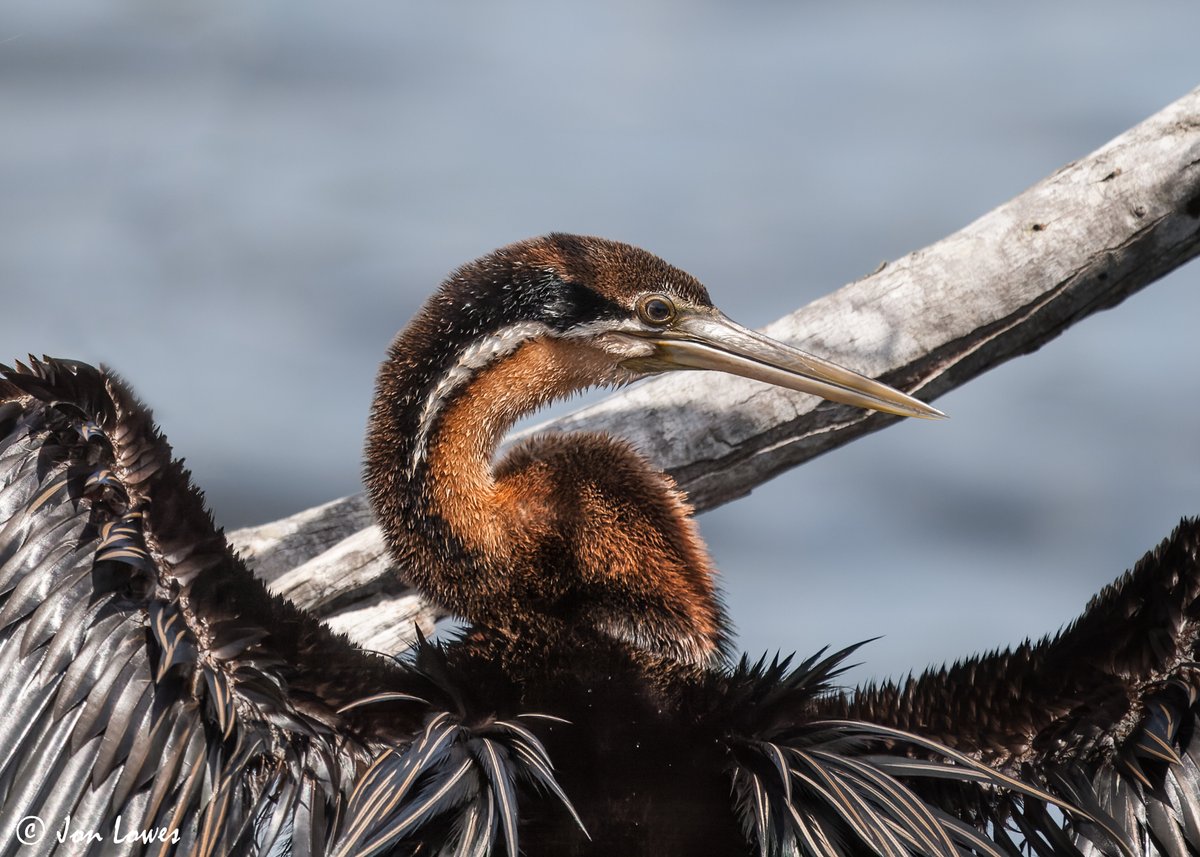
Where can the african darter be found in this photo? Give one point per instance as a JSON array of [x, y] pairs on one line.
[[157, 699]]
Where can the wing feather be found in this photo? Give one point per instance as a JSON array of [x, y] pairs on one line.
[[35, 757], [1104, 714], [151, 679], [113, 705], [47, 618]]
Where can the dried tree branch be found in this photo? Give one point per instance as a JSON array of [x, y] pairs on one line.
[[1082, 240]]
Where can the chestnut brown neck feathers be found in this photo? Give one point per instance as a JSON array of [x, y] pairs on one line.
[[565, 532]]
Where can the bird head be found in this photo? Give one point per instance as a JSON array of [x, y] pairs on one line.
[[619, 313], [574, 528]]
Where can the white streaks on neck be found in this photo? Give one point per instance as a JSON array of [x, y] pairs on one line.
[[478, 355]]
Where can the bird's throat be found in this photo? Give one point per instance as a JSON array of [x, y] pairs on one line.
[[574, 530], [462, 535]]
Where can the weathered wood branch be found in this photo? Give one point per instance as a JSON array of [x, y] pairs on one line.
[[1082, 240]]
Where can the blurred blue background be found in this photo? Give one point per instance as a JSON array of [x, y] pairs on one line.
[[236, 205]]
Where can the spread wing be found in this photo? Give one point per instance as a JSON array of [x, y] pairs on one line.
[[157, 699], [1104, 714], [805, 783]]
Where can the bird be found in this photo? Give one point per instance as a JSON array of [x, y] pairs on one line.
[[158, 699]]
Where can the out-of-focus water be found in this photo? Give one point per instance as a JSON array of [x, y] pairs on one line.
[[237, 205]]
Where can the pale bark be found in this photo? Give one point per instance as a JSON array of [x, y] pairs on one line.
[[1081, 240]]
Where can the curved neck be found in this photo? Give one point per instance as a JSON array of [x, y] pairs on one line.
[[430, 458], [576, 530]]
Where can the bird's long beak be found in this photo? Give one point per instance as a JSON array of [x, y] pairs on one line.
[[710, 340]]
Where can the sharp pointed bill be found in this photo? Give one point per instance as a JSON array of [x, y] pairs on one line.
[[707, 339]]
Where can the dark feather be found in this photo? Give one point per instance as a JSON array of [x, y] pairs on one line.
[[168, 688], [1103, 715]]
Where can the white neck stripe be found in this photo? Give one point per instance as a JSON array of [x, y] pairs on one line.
[[476, 356]]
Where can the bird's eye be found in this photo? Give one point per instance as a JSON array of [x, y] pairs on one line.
[[656, 309]]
